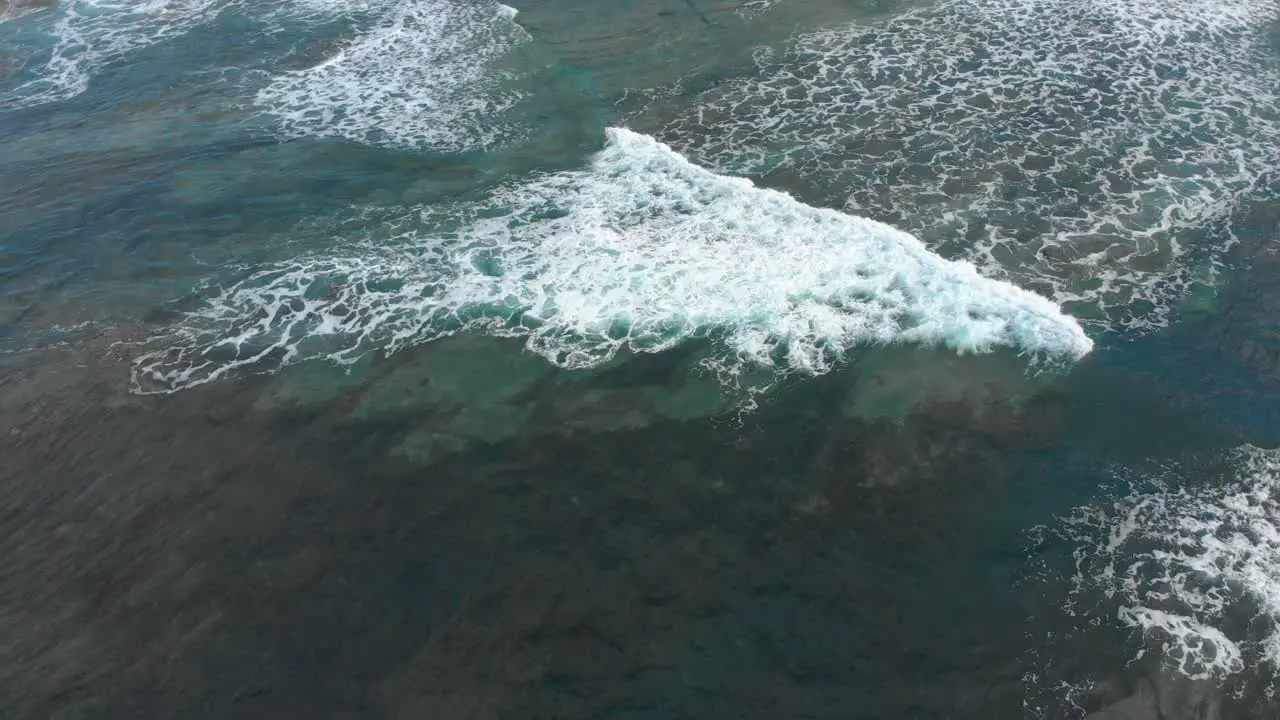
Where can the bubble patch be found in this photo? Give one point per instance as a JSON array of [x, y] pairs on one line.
[[642, 250], [1194, 569], [422, 75], [1091, 150], [752, 8]]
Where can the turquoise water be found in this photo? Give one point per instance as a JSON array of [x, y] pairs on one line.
[[660, 359]]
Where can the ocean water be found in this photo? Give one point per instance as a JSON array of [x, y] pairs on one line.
[[649, 359]]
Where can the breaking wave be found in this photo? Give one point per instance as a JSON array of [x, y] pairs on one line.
[[641, 250], [1090, 150]]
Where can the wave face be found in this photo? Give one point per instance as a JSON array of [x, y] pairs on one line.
[[420, 76], [1090, 150], [641, 251], [1197, 570]]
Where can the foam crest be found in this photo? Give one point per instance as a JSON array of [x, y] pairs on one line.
[[1090, 149], [641, 251], [422, 75], [1195, 569]]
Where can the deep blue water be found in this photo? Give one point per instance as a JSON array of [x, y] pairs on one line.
[[424, 359]]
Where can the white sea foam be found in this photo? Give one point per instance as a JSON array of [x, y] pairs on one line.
[[752, 8], [1090, 149], [422, 75], [641, 250], [89, 34], [416, 75], [11, 9], [1195, 567]]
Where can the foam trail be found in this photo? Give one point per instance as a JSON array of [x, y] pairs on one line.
[[89, 35], [642, 250], [92, 33], [1090, 149], [1195, 569], [422, 76]]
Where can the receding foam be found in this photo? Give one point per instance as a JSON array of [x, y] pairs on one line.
[[422, 75], [1194, 567], [1090, 149], [641, 250]]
